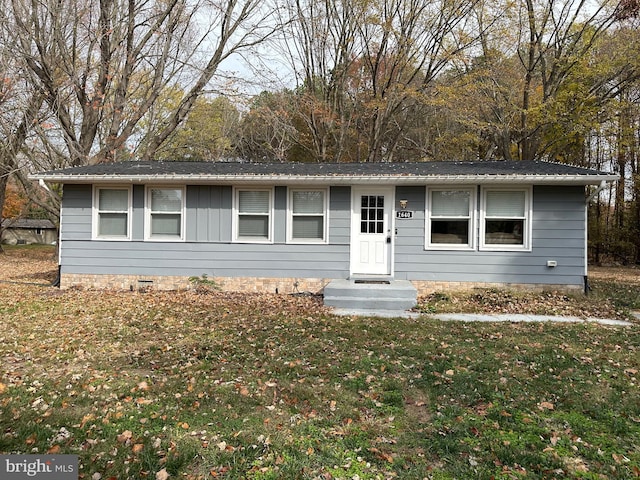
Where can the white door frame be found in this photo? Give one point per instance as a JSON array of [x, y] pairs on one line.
[[383, 243]]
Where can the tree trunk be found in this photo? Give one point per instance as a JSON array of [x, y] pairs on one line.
[[4, 177]]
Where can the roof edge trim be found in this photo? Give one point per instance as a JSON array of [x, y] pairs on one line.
[[328, 179]]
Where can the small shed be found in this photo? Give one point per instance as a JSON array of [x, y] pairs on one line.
[[26, 231]]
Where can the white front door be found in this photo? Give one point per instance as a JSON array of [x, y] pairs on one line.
[[371, 227]]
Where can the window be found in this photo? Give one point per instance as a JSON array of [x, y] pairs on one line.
[[372, 214], [307, 215], [164, 213], [253, 215], [450, 219], [112, 213], [506, 219]]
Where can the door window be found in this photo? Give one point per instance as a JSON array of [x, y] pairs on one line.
[[372, 214]]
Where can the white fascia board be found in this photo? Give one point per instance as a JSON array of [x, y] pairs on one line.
[[331, 179]]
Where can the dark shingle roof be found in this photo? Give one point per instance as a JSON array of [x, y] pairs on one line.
[[27, 223], [328, 173]]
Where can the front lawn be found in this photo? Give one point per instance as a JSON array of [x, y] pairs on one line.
[[215, 385]]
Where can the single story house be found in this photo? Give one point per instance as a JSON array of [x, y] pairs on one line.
[[25, 231], [291, 227]]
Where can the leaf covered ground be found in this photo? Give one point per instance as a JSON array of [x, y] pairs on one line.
[[216, 385]]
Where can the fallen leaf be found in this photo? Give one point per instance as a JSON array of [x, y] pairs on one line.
[[143, 386], [124, 436], [162, 474], [546, 406], [54, 450], [87, 418], [137, 447]]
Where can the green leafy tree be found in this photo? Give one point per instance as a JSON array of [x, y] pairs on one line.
[[207, 134]]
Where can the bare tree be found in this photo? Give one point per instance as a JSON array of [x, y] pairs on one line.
[[20, 105], [369, 66], [103, 64]]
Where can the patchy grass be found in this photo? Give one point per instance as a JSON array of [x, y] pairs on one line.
[[218, 385], [614, 293], [618, 285]]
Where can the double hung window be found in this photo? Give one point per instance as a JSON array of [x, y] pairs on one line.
[[450, 218], [307, 215], [506, 220], [112, 213], [253, 214], [164, 213]]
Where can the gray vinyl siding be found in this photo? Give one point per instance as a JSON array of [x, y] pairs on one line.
[[340, 216], [558, 233], [75, 218], [212, 259], [208, 247]]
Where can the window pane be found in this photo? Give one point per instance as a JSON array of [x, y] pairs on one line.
[[308, 202], [253, 226], [165, 224], [308, 227], [503, 232], [166, 200], [113, 200], [253, 202], [505, 204], [112, 224], [450, 231], [451, 203]]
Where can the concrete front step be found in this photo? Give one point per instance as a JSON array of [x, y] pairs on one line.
[[370, 294]]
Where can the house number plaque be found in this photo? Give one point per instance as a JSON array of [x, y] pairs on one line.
[[403, 214]]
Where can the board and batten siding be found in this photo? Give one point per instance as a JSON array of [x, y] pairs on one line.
[[558, 233], [207, 248]]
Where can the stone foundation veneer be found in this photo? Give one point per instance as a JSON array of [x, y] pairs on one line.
[[280, 285], [227, 284], [427, 287]]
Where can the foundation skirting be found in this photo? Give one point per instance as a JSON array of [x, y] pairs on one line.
[[276, 285]]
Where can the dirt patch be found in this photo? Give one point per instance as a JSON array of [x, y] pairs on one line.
[[616, 274], [31, 264]]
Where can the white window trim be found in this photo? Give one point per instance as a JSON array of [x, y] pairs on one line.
[[235, 215], [95, 213], [147, 214], [528, 212], [290, 215], [471, 245]]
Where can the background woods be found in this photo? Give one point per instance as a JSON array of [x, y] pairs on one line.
[[335, 80]]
